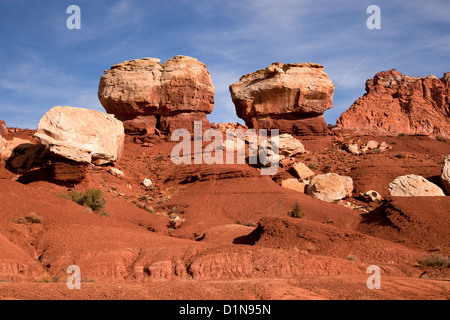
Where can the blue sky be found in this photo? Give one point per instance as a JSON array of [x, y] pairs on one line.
[[44, 64]]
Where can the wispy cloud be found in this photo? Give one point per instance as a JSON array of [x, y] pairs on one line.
[[44, 63]]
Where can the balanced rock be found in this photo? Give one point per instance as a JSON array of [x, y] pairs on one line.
[[445, 176], [395, 103], [414, 186], [173, 94], [81, 135], [330, 187], [289, 97]]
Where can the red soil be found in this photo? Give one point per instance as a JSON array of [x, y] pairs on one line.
[[235, 240]]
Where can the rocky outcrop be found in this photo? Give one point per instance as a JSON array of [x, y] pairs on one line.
[[68, 172], [445, 175], [288, 97], [140, 125], [172, 94], [330, 187], [81, 135], [3, 128], [301, 171], [6, 149], [395, 103], [414, 186], [294, 184]]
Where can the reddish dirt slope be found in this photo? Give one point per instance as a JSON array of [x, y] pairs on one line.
[[235, 239]]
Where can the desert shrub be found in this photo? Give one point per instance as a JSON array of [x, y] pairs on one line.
[[251, 224], [33, 218], [49, 279], [439, 138], [400, 155], [297, 211], [312, 166], [352, 257], [143, 198], [435, 261], [93, 199]]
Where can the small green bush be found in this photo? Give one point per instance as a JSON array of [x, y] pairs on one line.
[[93, 199], [297, 211]]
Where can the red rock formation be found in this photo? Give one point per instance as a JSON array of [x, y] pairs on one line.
[[140, 125], [3, 128], [171, 95], [395, 103], [68, 172], [289, 97]]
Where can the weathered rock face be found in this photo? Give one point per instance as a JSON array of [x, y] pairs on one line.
[[140, 125], [445, 176], [25, 155], [6, 149], [289, 97], [330, 187], [174, 93], [294, 184], [395, 103], [3, 128], [301, 171], [68, 172], [289, 146], [414, 186], [81, 135], [186, 86]]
